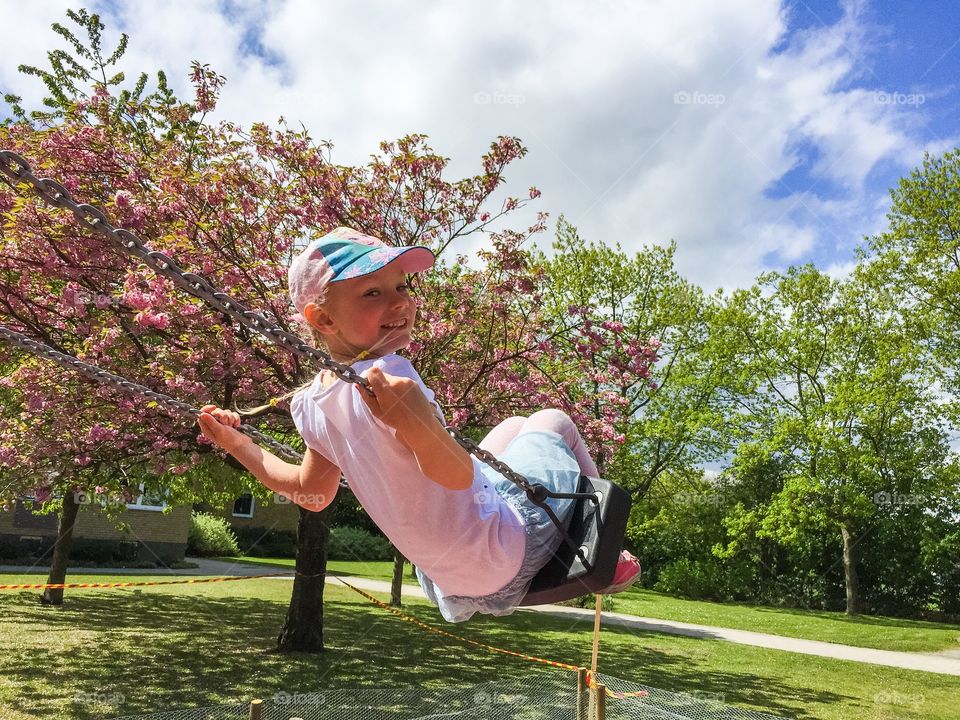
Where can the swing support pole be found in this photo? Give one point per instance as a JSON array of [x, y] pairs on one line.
[[596, 633]]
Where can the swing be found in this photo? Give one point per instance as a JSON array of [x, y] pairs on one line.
[[587, 557]]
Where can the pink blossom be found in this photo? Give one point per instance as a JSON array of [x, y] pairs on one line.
[[161, 321], [100, 433]]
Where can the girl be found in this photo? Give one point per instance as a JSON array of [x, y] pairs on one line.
[[475, 538]]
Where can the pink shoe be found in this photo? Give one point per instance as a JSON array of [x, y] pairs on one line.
[[627, 573]]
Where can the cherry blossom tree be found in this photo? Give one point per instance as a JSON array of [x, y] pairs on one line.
[[233, 204]]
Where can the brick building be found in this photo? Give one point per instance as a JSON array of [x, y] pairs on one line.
[[153, 535]]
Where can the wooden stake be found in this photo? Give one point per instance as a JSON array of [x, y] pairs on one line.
[[596, 633], [583, 696], [599, 700], [256, 709]]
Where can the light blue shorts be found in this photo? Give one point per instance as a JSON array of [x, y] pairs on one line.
[[541, 457]]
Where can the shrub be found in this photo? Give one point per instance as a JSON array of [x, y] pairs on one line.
[[589, 601], [352, 543], [264, 542], [92, 550], [211, 535], [695, 579], [347, 512]]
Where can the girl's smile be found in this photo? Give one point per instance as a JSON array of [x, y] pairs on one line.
[[371, 315]]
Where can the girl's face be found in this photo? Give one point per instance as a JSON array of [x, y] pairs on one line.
[[373, 313]]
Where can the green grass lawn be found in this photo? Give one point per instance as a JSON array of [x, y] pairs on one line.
[[115, 652], [883, 633], [870, 631]]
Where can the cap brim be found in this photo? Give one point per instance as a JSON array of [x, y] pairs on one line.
[[414, 259]]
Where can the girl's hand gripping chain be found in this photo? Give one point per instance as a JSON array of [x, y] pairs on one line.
[[396, 401], [399, 403], [218, 427]]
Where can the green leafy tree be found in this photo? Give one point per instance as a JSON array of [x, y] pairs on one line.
[[635, 331], [918, 258], [841, 403]]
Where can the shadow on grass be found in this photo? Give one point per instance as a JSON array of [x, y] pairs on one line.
[[868, 620], [104, 655]]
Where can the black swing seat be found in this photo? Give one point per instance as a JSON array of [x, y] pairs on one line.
[[597, 529]]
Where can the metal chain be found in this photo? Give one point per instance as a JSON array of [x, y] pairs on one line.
[[105, 378], [18, 169]]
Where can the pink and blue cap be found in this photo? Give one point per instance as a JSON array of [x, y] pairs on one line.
[[344, 254]]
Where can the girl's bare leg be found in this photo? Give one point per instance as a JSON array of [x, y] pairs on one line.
[[497, 439], [551, 420], [559, 422]]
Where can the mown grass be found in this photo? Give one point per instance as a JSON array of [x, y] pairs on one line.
[[106, 653], [870, 631], [883, 633]]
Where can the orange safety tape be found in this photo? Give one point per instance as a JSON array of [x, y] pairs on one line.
[[492, 648], [63, 586], [371, 598]]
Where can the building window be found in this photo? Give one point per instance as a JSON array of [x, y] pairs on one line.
[[154, 500], [243, 506]]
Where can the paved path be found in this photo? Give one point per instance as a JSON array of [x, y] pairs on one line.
[[947, 663]]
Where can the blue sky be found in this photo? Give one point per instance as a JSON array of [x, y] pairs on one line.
[[755, 133], [910, 49]]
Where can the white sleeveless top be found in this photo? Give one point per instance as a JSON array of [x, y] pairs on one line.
[[469, 542]]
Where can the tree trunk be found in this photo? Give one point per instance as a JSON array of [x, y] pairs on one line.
[[61, 550], [303, 628], [851, 557], [397, 585]]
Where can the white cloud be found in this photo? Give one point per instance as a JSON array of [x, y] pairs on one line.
[[841, 270], [645, 121]]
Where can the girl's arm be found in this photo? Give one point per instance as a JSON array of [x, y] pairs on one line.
[[311, 485], [399, 403]]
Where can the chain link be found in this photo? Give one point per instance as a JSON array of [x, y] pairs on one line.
[[105, 378], [18, 169]]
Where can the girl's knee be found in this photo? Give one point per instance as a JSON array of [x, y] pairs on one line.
[[551, 419], [512, 425], [500, 436]]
